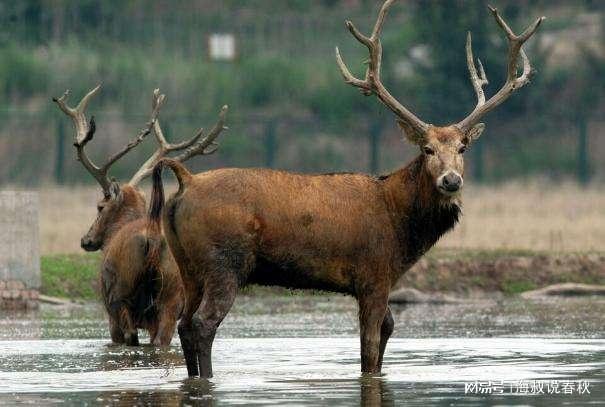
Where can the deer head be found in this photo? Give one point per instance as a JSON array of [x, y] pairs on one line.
[[442, 147], [123, 203]]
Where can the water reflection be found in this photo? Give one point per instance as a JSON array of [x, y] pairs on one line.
[[375, 392], [307, 352]]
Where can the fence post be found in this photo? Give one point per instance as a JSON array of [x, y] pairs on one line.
[[60, 153], [583, 165]]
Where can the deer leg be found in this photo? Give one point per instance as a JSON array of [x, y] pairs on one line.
[[117, 336], [166, 324], [372, 311], [219, 294], [187, 328], [153, 331], [131, 337], [386, 330]]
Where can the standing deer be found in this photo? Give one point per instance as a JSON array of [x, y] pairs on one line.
[[140, 281], [348, 233]]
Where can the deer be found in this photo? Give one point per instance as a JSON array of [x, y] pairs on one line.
[[347, 233], [140, 283]]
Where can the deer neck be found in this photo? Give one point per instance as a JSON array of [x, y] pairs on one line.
[[420, 214], [132, 209]]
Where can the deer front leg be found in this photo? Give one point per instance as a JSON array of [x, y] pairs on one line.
[[117, 336], [372, 311], [131, 337], [166, 324]]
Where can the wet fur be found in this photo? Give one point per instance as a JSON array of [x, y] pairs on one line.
[[348, 233], [140, 283]]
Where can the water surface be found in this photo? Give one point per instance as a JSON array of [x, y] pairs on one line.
[[304, 350]]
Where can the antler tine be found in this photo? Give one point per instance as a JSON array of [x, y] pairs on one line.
[[84, 132], [138, 139], [479, 80], [156, 100], [513, 82], [191, 147], [372, 83]]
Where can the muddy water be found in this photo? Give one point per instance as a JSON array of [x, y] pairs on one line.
[[304, 350]]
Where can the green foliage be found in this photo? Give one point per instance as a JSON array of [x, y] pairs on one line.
[[70, 276], [21, 73], [285, 70]]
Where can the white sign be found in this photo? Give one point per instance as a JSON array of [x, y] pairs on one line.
[[221, 47]]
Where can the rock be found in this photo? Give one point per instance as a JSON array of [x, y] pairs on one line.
[[413, 296], [566, 289]]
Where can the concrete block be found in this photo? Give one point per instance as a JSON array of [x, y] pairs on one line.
[[19, 239]]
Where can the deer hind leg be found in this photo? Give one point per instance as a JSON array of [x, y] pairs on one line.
[[220, 290], [372, 311], [187, 329]]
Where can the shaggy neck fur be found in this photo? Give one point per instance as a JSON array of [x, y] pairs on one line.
[[132, 208], [420, 213]]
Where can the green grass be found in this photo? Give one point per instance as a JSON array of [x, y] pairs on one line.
[[517, 287], [71, 276], [75, 276]]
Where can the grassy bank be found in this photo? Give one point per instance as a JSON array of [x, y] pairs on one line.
[[460, 271], [70, 275]]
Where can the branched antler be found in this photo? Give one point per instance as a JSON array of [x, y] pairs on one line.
[[189, 148], [372, 83], [513, 82], [84, 132]]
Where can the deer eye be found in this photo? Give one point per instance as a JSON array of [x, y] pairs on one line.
[[461, 150], [99, 208], [428, 151]]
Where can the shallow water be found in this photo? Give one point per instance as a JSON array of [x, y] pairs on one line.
[[304, 350]]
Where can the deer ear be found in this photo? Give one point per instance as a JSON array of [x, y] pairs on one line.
[[411, 134], [475, 131], [114, 190]]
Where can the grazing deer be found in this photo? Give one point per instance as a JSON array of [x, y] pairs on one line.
[[140, 282], [348, 233]]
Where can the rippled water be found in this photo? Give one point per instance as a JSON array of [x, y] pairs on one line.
[[304, 350]]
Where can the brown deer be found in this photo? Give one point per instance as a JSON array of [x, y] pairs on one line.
[[140, 282], [348, 233]]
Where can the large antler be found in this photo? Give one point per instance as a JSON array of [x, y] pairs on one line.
[[371, 83], [188, 148], [513, 82], [84, 132]]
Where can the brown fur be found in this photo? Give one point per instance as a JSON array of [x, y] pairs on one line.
[[348, 233], [140, 282]]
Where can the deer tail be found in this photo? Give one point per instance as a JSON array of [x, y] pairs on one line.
[[155, 237]]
